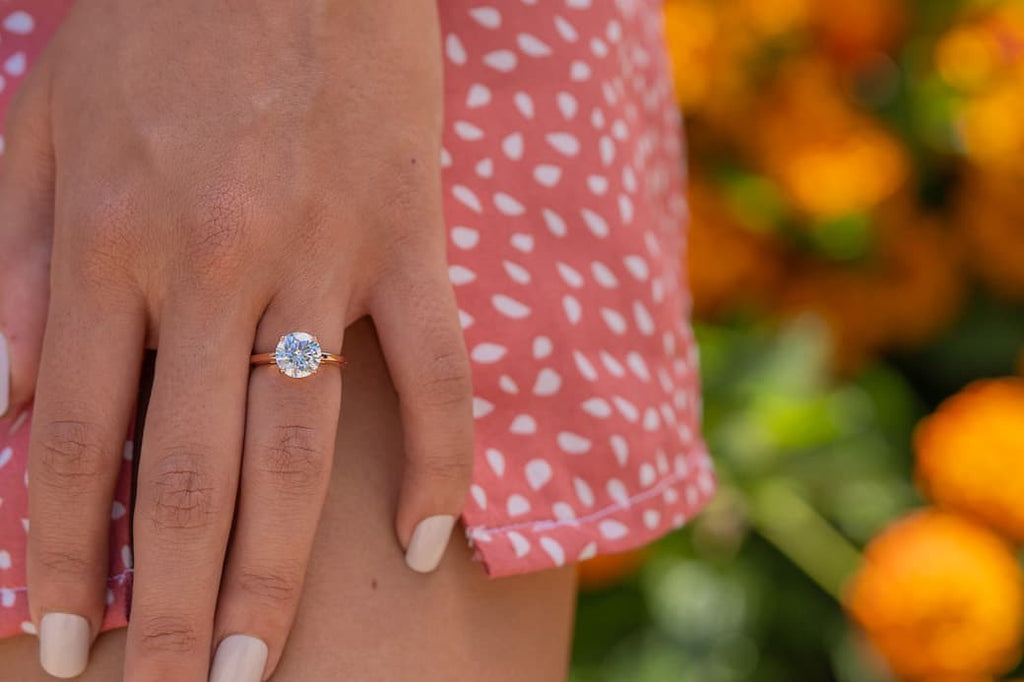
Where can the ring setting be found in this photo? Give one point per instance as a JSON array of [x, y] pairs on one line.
[[298, 355]]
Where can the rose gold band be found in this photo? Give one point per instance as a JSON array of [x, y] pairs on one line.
[[325, 359]]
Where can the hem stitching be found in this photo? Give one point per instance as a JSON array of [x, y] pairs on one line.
[[551, 524]]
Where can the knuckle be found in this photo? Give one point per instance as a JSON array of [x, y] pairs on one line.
[[447, 382], [409, 216], [64, 564], [104, 225], [445, 468], [400, 247], [274, 587], [218, 229], [293, 459], [168, 634], [407, 253], [412, 265], [183, 494], [71, 453]]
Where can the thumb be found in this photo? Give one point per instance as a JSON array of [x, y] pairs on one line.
[[26, 234]]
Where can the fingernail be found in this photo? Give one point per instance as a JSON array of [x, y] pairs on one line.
[[428, 543], [64, 644], [240, 658], [5, 377]]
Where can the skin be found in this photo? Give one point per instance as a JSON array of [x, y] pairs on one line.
[[364, 616], [201, 177]]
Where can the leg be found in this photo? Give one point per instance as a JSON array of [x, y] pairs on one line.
[[364, 615]]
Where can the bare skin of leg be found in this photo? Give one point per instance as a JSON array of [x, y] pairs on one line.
[[364, 615]]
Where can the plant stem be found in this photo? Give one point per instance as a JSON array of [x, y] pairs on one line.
[[797, 530]]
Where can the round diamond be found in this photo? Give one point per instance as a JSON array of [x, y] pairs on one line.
[[298, 355]]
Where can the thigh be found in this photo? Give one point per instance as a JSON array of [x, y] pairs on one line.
[[364, 615]]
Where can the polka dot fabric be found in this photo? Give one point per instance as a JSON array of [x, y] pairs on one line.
[[563, 196], [563, 172]]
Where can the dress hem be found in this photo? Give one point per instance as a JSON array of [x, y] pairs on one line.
[[666, 505]]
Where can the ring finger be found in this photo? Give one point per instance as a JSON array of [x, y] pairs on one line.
[[289, 443]]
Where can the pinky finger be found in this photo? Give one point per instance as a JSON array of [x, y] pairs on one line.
[[26, 233], [422, 340]]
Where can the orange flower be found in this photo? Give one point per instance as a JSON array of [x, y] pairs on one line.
[[970, 454], [919, 285], [991, 125], [854, 30], [982, 57], [712, 45], [831, 159], [728, 266], [609, 569], [709, 47], [941, 598], [984, 47], [844, 300], [771, 19], [990, 218], [968, 56], [908, 291], [691, 31]]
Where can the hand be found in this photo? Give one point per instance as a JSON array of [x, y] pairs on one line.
[[202, 178]]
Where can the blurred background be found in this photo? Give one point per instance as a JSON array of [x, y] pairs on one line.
[[857, 261]]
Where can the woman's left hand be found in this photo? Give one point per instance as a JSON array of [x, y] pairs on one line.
[[210, 176]]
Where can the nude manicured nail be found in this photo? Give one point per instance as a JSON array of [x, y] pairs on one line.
[[428, 543], [240, 658], [5, 376], [64, 644]]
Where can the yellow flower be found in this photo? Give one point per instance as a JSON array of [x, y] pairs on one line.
[[941, 598], [970, 454]]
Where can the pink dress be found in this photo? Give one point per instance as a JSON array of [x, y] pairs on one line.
[[564, 199]]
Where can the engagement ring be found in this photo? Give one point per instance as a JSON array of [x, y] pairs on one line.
[[298, 355]]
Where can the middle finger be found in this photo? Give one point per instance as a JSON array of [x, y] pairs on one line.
[[188, 478]]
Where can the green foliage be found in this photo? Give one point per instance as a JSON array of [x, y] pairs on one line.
[[810, 469]]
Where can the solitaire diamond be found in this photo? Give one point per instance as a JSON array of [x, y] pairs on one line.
[[298, 355]]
